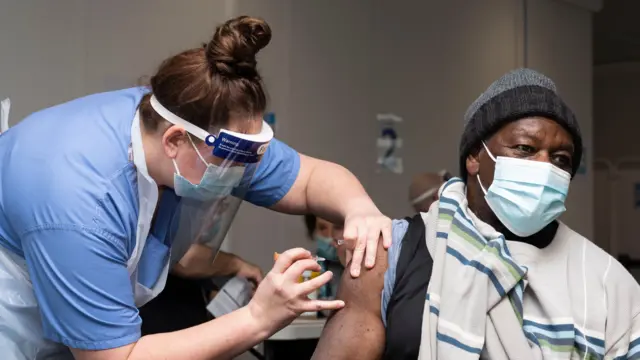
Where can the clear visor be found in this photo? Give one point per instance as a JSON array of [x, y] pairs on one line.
[[229, 161]]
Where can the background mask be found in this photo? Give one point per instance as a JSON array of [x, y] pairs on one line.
[[325, 248]]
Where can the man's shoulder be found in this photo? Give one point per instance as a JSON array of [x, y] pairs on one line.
[[602, 265]]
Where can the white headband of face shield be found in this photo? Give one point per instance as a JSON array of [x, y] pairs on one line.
[[265, 135]]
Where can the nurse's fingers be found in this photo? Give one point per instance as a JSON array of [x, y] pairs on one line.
[[319, 305], [350, 232], [295, 271], [310, 286], [358, 253], [387, 237], [373, 236], [287, 258]]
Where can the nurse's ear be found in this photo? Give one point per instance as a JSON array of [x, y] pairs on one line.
[[173, 138]]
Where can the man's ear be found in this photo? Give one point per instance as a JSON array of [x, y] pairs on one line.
[[172, 138], [473, 164]]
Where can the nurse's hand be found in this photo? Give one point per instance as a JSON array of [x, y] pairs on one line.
[[361, 234], [250, 272], [280, 298]]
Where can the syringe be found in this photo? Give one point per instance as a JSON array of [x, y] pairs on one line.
[[316, 258]]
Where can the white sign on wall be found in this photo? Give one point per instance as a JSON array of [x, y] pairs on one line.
[[389, 144]]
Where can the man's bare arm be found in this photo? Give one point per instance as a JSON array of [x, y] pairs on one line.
[[356, 332]]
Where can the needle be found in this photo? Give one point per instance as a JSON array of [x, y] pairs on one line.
[[341, 242]]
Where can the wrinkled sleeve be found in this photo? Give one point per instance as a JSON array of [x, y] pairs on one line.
[[399, 230], [622, 329], [627, 347], [275, 175], [82, 285]]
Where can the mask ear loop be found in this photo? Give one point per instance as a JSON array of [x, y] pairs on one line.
[[489, 152], [478, 174], [197, 151], [175, 164]]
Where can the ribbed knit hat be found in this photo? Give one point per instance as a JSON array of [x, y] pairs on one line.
[[518, 94]]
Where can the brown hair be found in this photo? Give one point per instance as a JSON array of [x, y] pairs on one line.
[[209, 84]]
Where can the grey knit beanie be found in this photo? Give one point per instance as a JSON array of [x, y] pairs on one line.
[[518, 94]]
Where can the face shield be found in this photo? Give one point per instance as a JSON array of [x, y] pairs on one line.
[[206, 210]]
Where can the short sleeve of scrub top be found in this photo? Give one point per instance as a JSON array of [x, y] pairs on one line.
[[274, 176]]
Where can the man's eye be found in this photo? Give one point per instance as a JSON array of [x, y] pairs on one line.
[[562, 161], [527, 149]]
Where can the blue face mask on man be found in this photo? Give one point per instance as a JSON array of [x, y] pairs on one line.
[[216, 182], [526, 195], [325, 248]]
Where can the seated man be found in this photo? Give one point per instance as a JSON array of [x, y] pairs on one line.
[[489, 271]]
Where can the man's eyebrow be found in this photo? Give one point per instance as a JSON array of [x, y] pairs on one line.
[[539, 135], [565, 147]]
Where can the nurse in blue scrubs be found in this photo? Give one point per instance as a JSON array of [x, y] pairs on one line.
[[101, 195]]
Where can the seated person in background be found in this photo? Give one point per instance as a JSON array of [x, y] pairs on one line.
[[423, 190], [490, 272], [322, 233]]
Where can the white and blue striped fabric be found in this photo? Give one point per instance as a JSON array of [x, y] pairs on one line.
[[570, 301]]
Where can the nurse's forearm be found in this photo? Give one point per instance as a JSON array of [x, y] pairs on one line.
[[198, 263], [333, 192], [327, 190], [222, 338]]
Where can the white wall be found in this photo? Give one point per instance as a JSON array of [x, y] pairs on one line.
[[41, 53], [129, 39], [331, 67]]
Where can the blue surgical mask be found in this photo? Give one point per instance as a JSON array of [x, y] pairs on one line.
[[325, 248], [216, 182], [526, 195]]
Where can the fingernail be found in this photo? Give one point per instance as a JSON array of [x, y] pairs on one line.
[[341, 303]]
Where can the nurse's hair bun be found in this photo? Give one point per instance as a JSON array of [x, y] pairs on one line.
[[213, 85], [232, 51]]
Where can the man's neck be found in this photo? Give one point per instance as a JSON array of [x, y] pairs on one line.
[[541, 239]]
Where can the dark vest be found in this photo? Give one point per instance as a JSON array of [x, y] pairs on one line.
[[406, 305], [413, 272]]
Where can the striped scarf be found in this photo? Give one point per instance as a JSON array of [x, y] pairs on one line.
[[474, 298]]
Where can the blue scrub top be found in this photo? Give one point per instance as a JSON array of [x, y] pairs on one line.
[[69, 206]]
